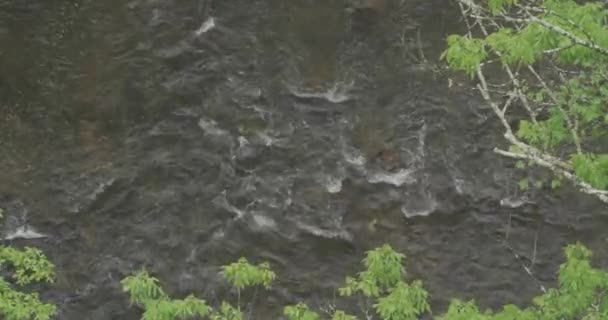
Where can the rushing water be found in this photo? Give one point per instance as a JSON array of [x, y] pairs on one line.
[[181, 135]]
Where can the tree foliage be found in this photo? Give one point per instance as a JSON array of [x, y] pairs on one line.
[[341, 315], [555, 57], [383, 279], [384, 270], [242, 274], [227, 312], [28, 266], [145, 291], [300, 311], [581, 294]]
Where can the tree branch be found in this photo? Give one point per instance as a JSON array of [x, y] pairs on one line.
[[559, 30], [570, 35], [584, 187], [525, 151], [553, 13], [532, 18], [522, 97], [509, 135]]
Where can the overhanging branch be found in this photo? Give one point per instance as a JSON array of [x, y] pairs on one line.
[[524, 151], [584, 187]]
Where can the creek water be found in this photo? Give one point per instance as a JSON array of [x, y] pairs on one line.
[[181, 135]]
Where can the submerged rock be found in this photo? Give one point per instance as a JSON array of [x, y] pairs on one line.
[[389, 159]]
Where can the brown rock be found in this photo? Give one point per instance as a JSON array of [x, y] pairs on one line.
[[388, 158]]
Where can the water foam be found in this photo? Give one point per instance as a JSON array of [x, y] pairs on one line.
[[333, 184], [24, 232], [206, 26], [355, 158], [403, 176], [335, 94], [422, 212], [514, 202], [328, 234], [264, 222]]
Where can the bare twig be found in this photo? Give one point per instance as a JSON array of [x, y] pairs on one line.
[[512, 96], [558, 49], [533, 260], [527, 269]]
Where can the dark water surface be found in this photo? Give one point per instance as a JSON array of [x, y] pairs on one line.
[[181, 135]]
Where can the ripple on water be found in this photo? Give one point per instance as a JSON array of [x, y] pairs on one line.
[[222, 202], [337, 93], [338, 233], [211, 127]]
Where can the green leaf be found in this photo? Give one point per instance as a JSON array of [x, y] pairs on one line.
[[592, 169], [405, 302], [496, 6], [29, 266], [341, 315], [300, 312], [227, 312], [242, 274], [523, 184], [146, 292], [143, 288], [350, 287], [460, 310], [464, 53]]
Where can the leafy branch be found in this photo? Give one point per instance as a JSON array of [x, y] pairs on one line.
[[567, 118], [145, 291], [29, 266]]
